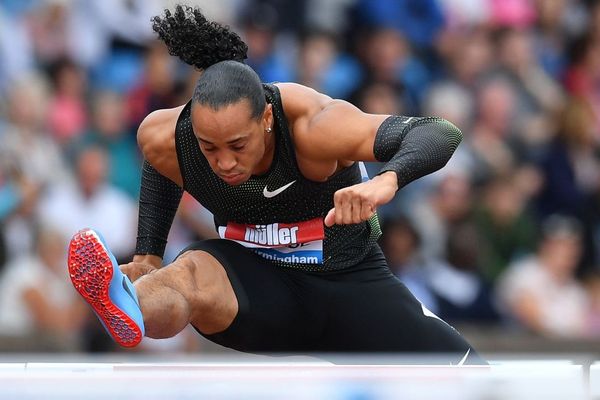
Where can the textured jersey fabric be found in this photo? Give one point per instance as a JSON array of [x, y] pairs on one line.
[[415, 146], [159, 199], [302, 200]]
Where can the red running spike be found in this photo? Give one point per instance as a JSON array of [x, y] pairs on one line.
[[91, 271]]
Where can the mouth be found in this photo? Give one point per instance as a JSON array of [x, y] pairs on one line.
[[233, 179]]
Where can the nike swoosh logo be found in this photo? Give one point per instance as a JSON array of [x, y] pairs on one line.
[[268, 194], [462, 361]]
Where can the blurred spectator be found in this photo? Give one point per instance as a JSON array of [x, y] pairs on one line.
[[387, 57], [380, 98], [453, 288], [517, 13], [449, 204], [290, 15], [570, 166], [94, 25], [538, 97], [9, 198], [50, 31], [18, 196], [594, 19], [401, 244], [541, 292], [571, 174], [36, 297], [488, 142], [156, 87], [419, 20], [466, 56], [505, 228], [451, 101], [32, 162], [582, 78], [536, 89], [259, 23], [456, 283], [110, 131], [92, 202], [322, 66], [329, 14], [551, 36], [67, 114], [16, 48], [26, 141], [460, 14]]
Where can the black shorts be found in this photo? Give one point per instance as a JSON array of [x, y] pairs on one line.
[[364, 308]]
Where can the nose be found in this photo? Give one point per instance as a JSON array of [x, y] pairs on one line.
[[226, 163]]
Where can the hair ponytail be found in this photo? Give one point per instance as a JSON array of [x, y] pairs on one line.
[[197, 41]]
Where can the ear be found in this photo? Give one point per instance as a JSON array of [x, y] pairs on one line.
[[268, 116]]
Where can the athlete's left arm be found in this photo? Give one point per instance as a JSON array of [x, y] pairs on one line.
[[411, 147]]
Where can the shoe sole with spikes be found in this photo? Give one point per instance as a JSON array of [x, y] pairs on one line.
[[95, 274]]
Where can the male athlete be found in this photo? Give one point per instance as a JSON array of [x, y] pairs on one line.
[[297, 269]]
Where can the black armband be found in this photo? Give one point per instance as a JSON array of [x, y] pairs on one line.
[[415, 146], [159, 199]]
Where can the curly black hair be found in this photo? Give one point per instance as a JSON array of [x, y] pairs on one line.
[[197, 41]]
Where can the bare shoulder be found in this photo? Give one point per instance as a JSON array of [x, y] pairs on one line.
[[156, 140], [301, 105], [327, 129], [300, 101], [157, 130]]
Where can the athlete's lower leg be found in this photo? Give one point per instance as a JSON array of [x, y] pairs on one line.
[[193, 289]]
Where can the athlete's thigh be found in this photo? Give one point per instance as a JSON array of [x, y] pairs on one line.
[[270, 316], [381, 315]]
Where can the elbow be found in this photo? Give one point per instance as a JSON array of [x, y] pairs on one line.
[[452, 134]]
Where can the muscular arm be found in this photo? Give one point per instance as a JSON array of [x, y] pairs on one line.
[[327, 129], [161, 190], [330, 134]]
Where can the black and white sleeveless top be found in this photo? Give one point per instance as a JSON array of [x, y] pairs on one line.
[[279, 214]]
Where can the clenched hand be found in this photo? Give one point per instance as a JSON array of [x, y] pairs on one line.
[[358, 203]]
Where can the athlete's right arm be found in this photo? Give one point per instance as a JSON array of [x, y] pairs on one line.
[[161, 190]]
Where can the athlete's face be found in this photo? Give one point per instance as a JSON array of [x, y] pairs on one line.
[[235, 144]]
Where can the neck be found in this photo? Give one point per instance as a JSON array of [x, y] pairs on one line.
[[267, 159]]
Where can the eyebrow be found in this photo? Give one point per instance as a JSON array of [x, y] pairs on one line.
[[233, 141]]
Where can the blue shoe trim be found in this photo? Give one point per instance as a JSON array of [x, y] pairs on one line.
[[125, 299]]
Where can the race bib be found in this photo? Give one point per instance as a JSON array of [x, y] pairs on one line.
[[298, 242]]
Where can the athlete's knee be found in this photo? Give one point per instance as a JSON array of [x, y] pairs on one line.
[[166, 298], [206, 284], [214, 304]]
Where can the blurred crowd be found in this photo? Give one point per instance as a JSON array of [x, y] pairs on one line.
[[508, 234]]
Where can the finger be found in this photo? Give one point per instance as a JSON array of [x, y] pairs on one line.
[[357, 205], [367, 212], [339, 204], [130, 272], [345, 211], [330, 218]]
